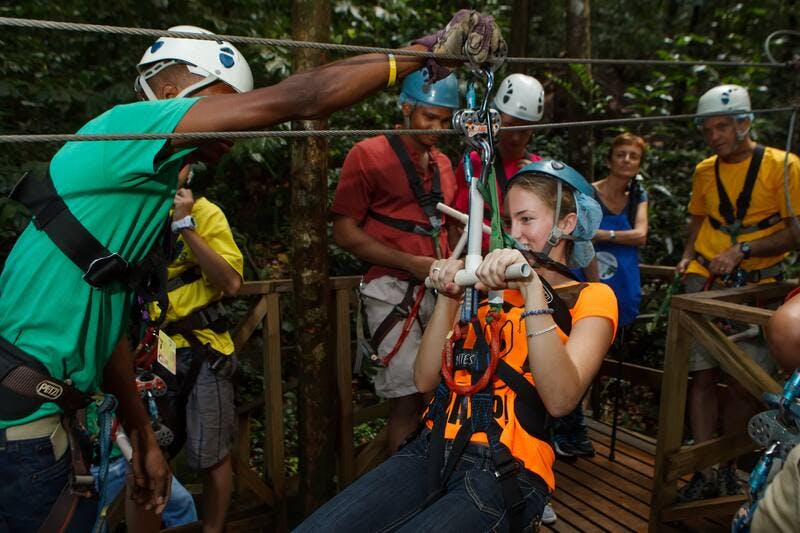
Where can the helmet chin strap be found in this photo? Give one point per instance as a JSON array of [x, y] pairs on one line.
[[141, 81], [556, 234]]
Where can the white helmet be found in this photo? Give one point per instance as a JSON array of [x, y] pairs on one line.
[[214, 60], [521, 97], [725, 100]]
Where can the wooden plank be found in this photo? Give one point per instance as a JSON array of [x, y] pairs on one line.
[[578, 513], [241, 456], [616, 517], [765, 292], [724, 506], [730, 357], [245, 328], [657, 271], [625, 448], [604, 488], [623, 460], [273, 402], [695, 458], [722, 309], [635, 439], [671, 412], [638, 374], [373, 453], [601, 460], [250, 480], [344, 383], [345, 282], [612, 479], [371, 412]]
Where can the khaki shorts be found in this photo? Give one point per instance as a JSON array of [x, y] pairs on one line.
[[379, 297], [756, 348]]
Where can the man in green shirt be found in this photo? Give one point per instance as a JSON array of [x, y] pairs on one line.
[[121, 192]]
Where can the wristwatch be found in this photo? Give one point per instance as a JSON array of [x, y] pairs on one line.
[[744, 247], [612, 234], [186, 222]]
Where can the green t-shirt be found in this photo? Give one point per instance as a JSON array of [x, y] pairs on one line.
[[122, 192]]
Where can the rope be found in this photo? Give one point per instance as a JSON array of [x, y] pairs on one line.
[[240, 135], [768, 42], [289, 43]]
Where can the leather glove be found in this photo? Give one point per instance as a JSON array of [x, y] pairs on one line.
[[469, 33]]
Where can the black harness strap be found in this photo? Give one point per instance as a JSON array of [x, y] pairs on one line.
[[733, 221], [51, 215], [402, 224], [25, 384], [750, 276], [426, 200], [190, 275]]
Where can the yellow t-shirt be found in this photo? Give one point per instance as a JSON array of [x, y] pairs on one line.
[[768, 198], [213, 227]]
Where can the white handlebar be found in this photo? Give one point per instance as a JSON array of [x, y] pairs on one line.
[[467, 279]]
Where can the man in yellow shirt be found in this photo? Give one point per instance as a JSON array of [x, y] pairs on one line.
[[739, 233], [207, 266]]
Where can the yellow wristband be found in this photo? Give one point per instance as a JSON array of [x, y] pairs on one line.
[[392, 70]]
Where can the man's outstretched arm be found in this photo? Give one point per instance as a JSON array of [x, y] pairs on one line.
[[306, 95]]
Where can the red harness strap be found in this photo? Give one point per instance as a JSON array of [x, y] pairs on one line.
[[459, 332]]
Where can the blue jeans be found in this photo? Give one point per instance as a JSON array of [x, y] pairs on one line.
[[180, 508], [390, 497], [32, 479]]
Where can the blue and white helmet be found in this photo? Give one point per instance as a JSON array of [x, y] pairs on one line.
[[212, 59]]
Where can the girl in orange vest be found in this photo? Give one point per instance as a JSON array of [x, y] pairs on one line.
[[498, 475]]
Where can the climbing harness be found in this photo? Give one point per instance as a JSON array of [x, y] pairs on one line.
[[779, 431], [733, 220], [427, 200], [407, 312]]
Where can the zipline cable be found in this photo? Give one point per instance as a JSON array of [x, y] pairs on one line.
[[293, 134], [290, 43]]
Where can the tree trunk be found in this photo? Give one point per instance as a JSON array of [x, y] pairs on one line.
[[579, 44], [520, 26], [317, 387]]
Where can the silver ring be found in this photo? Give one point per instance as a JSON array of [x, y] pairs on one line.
[[436, 269]]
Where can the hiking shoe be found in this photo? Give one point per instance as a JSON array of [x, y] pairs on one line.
[[729, 484], [562, 445], [698, 488], [579, 440], [548, 515]]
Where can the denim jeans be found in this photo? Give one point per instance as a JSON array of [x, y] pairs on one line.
[[32, 479], [180, 508], [390, 497]]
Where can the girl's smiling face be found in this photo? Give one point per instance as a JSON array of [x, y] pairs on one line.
[[529, 218]]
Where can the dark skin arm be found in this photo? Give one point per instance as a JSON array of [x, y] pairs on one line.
[[349, 235], [151, 472], [307, 95]]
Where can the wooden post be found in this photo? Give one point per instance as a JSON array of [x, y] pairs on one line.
[[579, 44], [274, 471], [315, 361], [344, 376], [670, 414]]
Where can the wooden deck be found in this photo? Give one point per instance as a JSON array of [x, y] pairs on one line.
[[597, 494]]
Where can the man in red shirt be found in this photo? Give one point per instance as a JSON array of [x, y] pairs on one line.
[[384, 213], [520, 100]]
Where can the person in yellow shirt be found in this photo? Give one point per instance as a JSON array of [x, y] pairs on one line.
[[739, 233], [207, 266]]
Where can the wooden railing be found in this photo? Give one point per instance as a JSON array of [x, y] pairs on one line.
[[691, 318]]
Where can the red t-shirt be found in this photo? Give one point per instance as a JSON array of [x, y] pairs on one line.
[[462, 187], [373, 179]]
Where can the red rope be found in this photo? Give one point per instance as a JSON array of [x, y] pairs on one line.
[[459, 331], [407, 325]]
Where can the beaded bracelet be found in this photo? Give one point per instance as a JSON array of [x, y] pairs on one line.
[[541, 332], [535, 312]]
